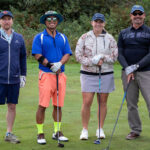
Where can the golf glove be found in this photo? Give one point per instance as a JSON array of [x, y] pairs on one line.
[[56, 66], [97, 58], [131, 69], [22, 81]]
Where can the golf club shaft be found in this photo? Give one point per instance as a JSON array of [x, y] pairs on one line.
[[125, 93], [98, 94], [57, 80], [99, 97]]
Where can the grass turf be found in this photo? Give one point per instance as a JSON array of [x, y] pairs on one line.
[[25, 125]]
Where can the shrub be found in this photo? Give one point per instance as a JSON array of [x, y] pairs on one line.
[[76, 18]]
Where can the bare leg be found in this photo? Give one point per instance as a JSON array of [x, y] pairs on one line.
[[40, 114], [103, 108], [10, 117], [85, 112], [55, 114]]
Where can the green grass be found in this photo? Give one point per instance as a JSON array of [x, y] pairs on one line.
[[25, 127]]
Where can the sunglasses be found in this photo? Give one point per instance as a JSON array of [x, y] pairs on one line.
[[50, 19], [139, 13]]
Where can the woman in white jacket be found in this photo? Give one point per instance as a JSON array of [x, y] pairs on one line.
[[95, 49]]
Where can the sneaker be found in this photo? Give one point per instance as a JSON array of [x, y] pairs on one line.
[[84, 134], [132, 136], [12, 138], [61, 136], [102, 134], [41, 139]]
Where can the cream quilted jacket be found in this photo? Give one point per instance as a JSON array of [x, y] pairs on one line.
[[89, 45]]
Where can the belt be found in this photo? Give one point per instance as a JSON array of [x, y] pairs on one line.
[[95, 74]]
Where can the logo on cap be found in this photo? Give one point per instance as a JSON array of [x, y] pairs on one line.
[[5, 12]]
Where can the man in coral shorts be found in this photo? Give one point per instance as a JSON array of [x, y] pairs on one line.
[[52, 50]]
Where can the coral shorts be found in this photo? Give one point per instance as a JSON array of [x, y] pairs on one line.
[[48, 89]]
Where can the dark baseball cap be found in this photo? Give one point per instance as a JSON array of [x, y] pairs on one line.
[[5, 13], [98, 16], [137, 7]]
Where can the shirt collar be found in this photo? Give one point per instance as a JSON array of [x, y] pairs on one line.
[[4, 33], [100, 35], [46, 33], [140, 28]]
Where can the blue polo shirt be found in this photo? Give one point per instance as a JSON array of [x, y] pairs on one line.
[[53, 49]]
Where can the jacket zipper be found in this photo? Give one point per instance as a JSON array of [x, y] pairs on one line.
[[8, 58], [8, 62], [104, 41]]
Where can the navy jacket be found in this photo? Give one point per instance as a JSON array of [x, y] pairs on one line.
[[134, 47], [12, 59]]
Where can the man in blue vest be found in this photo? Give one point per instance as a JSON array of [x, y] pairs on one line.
[[52, 50], [12, 70]]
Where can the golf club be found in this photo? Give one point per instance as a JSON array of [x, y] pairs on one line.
[[125, 93], [57, 80], [98, 139]]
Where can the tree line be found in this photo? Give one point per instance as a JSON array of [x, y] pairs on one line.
[[77, 16]]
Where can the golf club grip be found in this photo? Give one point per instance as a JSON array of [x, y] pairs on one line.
[[127, 86], [99, 68], [99, 71]]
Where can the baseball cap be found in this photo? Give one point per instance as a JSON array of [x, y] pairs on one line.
[[98, 16], [5, 13], [137, 7]]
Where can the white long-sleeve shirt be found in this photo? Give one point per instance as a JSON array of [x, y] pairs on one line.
[[89, 45]]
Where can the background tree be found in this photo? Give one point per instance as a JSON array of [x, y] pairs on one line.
[[77, 16]]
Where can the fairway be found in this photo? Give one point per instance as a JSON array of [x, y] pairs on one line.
[[25, 125]]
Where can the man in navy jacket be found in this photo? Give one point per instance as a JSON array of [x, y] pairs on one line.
[[12, 69], [134, 56]]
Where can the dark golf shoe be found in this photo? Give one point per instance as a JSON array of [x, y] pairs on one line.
[[132, 136]]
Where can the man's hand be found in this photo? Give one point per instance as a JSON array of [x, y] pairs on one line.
[[131, 69], [22, 81], [56, 66], [130, 77], [96, 59]]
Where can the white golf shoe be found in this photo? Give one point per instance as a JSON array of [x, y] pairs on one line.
[[41, 139], [102, 134], [84, 134], [61, 137]]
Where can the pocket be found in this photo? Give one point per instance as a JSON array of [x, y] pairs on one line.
[[14, 69], [41, 74], [62, 79], [43, 79]]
